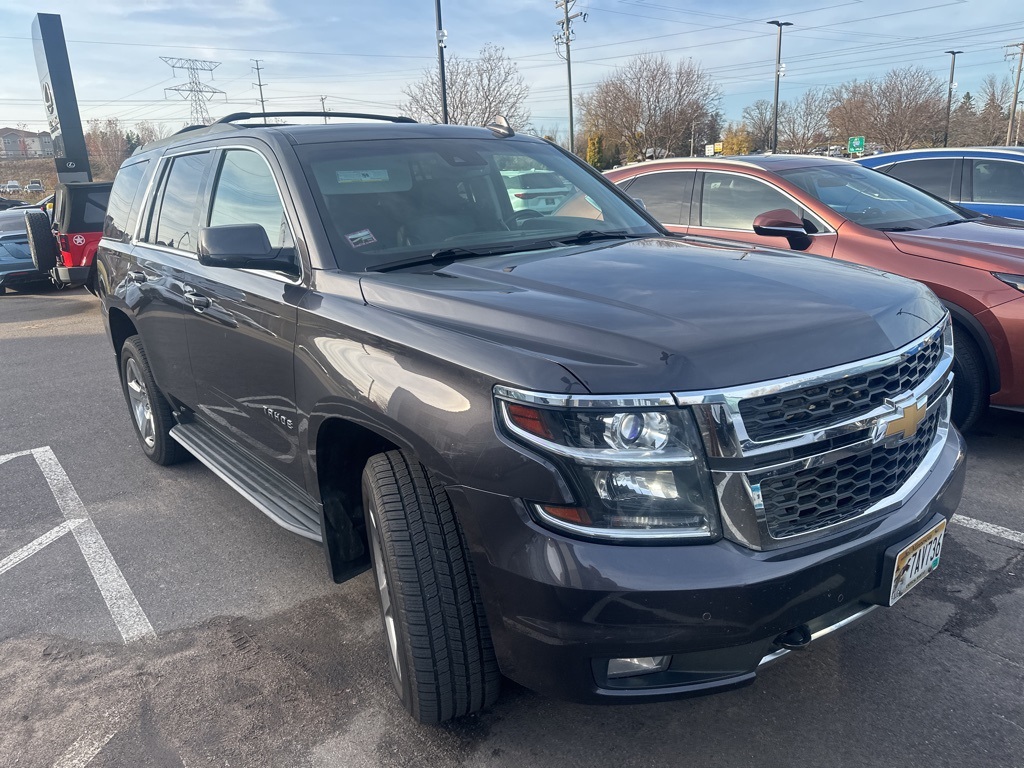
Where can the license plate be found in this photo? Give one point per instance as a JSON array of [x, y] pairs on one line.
[[915, 561]]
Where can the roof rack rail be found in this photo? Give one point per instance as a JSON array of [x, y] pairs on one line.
[[236, 116]]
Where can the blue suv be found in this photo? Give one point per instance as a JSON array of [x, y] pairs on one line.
[[988, 180]]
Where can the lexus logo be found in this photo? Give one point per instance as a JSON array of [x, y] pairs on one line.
[[904, 421]]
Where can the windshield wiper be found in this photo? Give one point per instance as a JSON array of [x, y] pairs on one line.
[[897, 229], [593, 235], [947, 223], [456, 252]]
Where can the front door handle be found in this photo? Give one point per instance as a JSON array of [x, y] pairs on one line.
[[137, 276], [198, 302]]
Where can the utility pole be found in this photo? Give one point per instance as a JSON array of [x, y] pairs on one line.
[[259, 84], [565, 37], [949, 96], [778, 74], [693, 133], [196, 90], [442, 36], [323, 107], [1016, 92]]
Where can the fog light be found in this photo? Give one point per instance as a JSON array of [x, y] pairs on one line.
[[641, 665]]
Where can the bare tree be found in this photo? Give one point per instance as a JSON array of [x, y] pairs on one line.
[[478, 90], [848, 113], [652, 106], [803, 124], [757, 117], [907, 108], [108, 146], [995, 102]]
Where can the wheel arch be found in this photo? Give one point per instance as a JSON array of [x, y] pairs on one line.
[[970, 324], [122, 327]]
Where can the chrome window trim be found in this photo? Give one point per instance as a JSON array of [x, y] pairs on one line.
[[827, 230]]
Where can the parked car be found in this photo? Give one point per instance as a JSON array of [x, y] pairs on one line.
[[536, 190], [34, 185], [839, 209], [12, 187], [16, 267], [63, 237], [988, 180], [6, 202], [607, 463]]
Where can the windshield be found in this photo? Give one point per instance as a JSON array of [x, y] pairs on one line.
[[387, 202], [872, 199]]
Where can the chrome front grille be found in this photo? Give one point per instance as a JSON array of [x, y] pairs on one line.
[[783, 414], [794, 459], [799, 501]]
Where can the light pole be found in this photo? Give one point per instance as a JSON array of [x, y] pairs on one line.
[[441, 36], [778, 67], [949, 96]]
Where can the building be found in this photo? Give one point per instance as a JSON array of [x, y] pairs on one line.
[[17, 144]]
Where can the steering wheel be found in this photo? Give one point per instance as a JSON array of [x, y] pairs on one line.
[[522, 213]]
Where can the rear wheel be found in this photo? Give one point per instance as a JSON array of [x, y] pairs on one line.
[[40, 241], [970, 381], [151, 413], [439, 647]]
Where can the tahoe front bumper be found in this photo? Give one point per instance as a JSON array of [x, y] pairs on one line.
[[559, 608]]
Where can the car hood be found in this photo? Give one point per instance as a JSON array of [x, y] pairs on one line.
[[658, 314], [991, 244]]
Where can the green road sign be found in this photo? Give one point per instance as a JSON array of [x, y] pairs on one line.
[[855, 145]]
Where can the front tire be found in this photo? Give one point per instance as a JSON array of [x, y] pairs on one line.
[[439, 646], [150, 411], [970, 381]]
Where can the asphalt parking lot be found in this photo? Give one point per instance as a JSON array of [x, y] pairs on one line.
[[152, 617]]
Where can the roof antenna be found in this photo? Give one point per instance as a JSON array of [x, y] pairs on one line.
[[499, 127]]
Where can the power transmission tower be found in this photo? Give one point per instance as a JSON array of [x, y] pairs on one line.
[[565, 37], [196, 90], [259, 84], [1016, 92]]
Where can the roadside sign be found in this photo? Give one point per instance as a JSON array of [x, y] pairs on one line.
[[709, 150], [855, 145], [719, 146]]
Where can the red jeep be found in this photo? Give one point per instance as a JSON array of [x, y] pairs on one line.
[[64, 247]]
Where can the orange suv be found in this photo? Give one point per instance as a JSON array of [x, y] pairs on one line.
[[838, 209]]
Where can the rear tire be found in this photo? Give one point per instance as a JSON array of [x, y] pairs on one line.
[[970, 381], [150, 411], [40, 241], [439, 646]]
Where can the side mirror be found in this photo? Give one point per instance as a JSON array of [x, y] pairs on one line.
[[781, 222], [241, 246]]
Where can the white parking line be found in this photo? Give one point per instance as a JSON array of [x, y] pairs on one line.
[[31, 548], [81, 753], [994, 530], [124, 608]]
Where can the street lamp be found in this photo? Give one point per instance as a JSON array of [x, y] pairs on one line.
[[949, 96], [778, 68], [441, 36]]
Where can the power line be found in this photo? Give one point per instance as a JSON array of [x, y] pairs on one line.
[[196, 90]]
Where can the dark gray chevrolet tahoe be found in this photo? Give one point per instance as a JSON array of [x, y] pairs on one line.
[[607, 463]]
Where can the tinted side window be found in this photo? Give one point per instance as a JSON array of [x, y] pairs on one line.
[[175, 226], [935, 176], [119, 221], [733, 202], [662, 194], [998, 181], [246, 194]]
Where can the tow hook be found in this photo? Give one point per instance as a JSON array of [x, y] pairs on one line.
[[795, 639]]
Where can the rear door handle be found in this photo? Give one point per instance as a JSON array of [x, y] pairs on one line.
[[137, 276]]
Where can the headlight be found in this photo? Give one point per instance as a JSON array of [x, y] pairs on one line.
[[1014, 281], [639, 473]]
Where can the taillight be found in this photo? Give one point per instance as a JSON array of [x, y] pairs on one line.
[[62, 240], [520, 194]]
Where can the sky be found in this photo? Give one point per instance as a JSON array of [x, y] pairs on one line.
[[360, 55]]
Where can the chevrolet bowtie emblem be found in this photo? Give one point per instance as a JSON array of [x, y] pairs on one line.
[[905, 422]]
